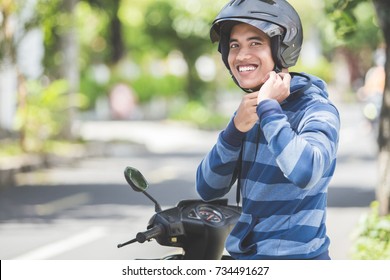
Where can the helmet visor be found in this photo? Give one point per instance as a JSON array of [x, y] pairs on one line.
[[224, 27]]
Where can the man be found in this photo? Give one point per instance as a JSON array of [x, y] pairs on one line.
[[280, 144]]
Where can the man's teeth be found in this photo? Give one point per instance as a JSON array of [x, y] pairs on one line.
[[246, 68]]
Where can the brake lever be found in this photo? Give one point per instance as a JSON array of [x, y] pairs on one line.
[[127, 243]]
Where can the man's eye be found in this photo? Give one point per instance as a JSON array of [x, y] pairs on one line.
[[233, 46], [255, 43]]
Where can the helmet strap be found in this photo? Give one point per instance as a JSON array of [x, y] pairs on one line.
[[275, 51], [236, 82]]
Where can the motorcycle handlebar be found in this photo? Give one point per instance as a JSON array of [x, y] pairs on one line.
[[146, 235], [149, 234]]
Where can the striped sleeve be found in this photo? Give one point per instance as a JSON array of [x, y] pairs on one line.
[[305, 154], [217, 171]]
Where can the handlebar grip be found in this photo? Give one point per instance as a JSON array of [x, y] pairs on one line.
[[149, 234]]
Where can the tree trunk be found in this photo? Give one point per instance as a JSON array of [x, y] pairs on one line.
[[8, 81], [70, 69], [118, 48], [383, 188]]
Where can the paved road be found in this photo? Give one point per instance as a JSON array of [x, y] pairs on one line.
[[82, 211]]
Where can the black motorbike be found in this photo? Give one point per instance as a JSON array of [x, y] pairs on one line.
[[199, 228]]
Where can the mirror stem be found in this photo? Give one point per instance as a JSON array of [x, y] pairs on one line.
[[157, 207]]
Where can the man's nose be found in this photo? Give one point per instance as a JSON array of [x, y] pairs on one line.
[[243, 54]]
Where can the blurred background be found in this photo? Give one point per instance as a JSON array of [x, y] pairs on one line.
[[88, 87]]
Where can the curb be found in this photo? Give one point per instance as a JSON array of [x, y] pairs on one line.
[[13, 165], [10, 166]]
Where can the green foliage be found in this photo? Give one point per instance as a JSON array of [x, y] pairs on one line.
[[91, 89], [52, 22], [7, 8], [148, 86], [354, 22], [92, 24], [152, 29], [156, 28], [342, 14], [177, 26], [323, 69], [372, 240], [12, 30], [42, 116], [10, 148], [196, 113]]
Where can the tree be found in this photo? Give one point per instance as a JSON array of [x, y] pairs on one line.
[[13, 28], [177, 25], [383, 11], [8, 10], [116, 44], [345, 23], [70, 67]]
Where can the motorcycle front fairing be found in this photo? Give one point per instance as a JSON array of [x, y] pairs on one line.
[[198, 227]]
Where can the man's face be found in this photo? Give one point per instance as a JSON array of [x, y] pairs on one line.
[[250, 57]]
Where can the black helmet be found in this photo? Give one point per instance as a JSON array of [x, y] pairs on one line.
[[276, 18]]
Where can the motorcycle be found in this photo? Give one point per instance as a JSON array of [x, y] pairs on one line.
[[199, 228]]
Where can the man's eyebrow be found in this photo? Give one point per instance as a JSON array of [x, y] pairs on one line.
[[255, 38], [258, 38]]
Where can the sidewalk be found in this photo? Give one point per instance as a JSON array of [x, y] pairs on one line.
[[156, 136], [12, 165], [352, 188]]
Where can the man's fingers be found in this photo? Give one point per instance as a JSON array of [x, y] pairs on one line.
[[272, 75], [252, 95], [286, 78]]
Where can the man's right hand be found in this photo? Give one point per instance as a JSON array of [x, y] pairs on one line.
[[276, 86], [246, 115]]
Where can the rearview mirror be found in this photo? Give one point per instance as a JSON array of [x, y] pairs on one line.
[[135, 179]]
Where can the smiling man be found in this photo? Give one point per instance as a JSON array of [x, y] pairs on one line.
[[250, 58], [281, 143]]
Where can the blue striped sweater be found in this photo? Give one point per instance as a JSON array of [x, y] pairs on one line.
[[288, 160]]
